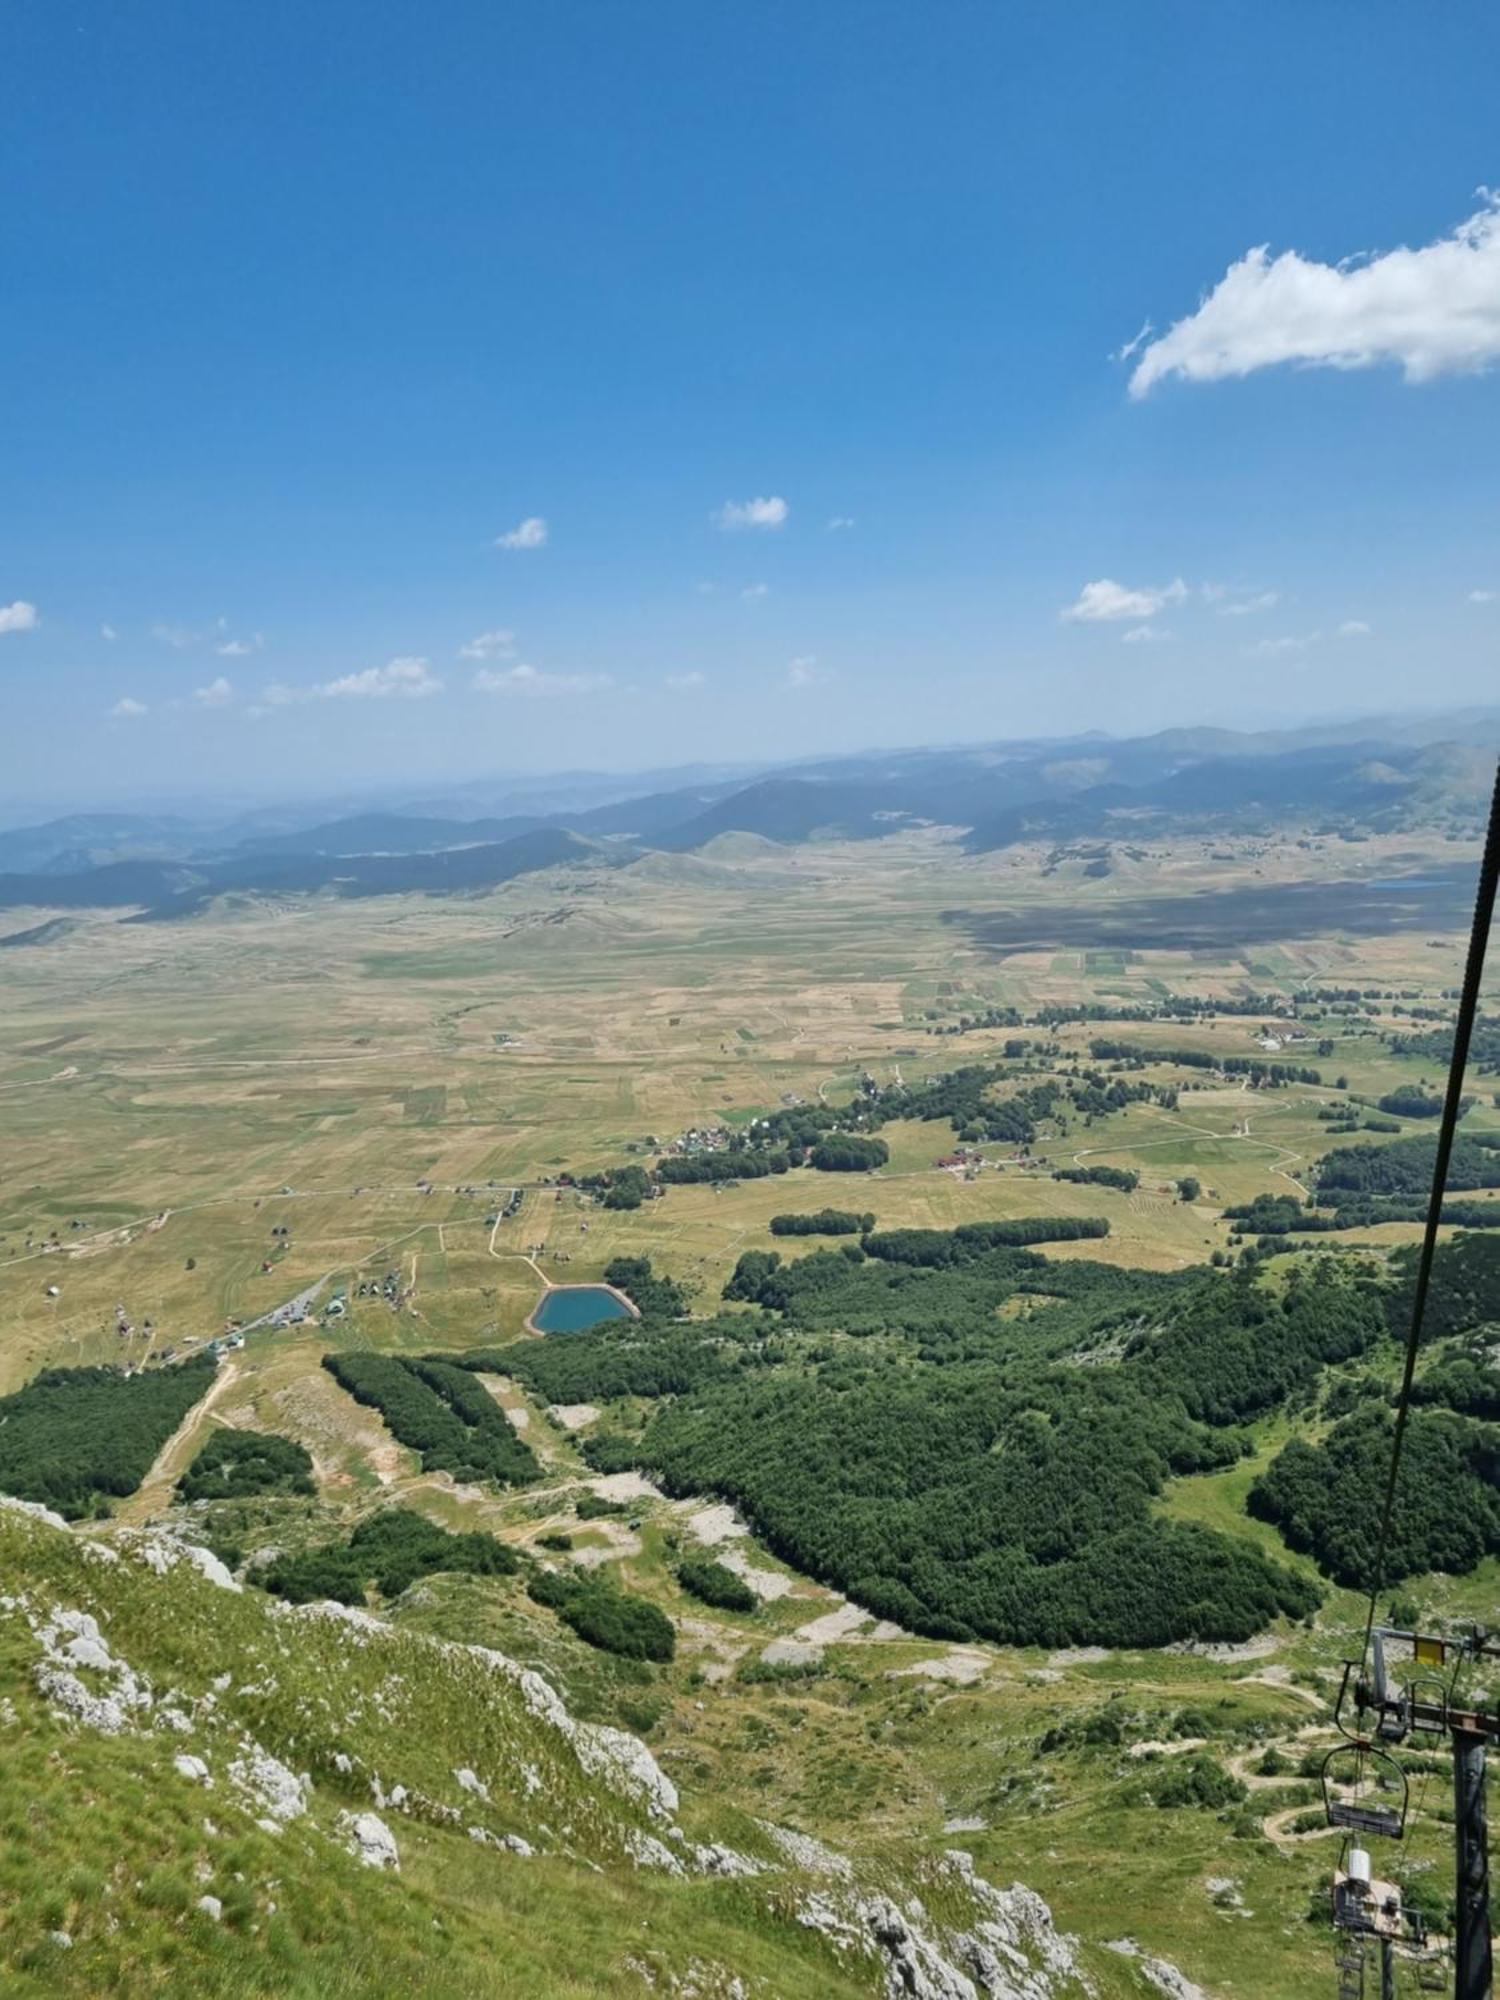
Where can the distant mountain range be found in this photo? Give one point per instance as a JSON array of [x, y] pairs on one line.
[[1373, 776]]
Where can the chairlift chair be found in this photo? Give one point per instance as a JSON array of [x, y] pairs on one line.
[[1349, 1801]]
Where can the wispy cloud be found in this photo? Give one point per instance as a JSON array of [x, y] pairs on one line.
[[838, 522], [683, 681], [1145, 635], [182, 637], [1482, 596], [218, 694], [1288, 642], [1433, 311], [1104, 600], [528, 534], [1355, 628], [128, 709], [771, 512], [753, 592], [804, 671], [1243, 607], [240, 649], [19, 617], [532, 684], [108, 632], [494, 645]]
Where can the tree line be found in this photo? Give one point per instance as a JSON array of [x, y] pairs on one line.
[[438, 1410]]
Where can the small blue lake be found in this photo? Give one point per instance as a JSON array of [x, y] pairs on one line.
[[570, 1308]]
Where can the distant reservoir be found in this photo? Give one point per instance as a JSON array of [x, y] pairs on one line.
[[571, 1308]]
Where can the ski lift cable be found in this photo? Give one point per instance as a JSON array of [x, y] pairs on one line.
[[1463, 1028]]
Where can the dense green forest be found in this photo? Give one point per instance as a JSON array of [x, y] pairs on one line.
[[913, 1427], [1405, 1168], [388, 1552], [1326, 1498], [437, 1409], [73, 1436], [234, 1465]]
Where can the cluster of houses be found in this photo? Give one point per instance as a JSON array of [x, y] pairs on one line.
[[702, 1139], [387, 1288]]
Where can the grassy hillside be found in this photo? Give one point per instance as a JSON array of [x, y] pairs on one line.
[[205, 1793]]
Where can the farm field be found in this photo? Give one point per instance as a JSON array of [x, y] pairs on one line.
[[176, 1092]]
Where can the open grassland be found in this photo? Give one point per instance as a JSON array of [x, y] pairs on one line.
[[375, 1079], [177, 1092]]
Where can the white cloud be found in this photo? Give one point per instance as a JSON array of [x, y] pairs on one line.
[[1105, 599], [127, 708], [18, 617], [528, 534], [1145, 635], [108, 632], [838, 521], [1481, 596], [1355, 628], [1435, 311], [753, 592], [803, 672], [693, 680], [397, 680], [1248, 607], [240, 649], [488, 646], [770, 512], [533, 684], [1291, 642], [215, 695]]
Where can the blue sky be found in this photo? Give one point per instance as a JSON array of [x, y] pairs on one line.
[[308, 308]]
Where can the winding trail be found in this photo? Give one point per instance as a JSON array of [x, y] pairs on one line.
[[152, 1495]]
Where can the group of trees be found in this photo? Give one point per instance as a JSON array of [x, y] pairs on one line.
[[739, 1163], [714, 1583], [619, 1187], [616, 1358], [652, 1296], [823, 1222], [848, 1153], [437, 1409], [606, 1617], [1126, 1179], [74, 1437], [1405, 1168], [387, 1552], [1410, 1100], [1326, 1498], [1259, 1071], [937, 1248], [238, 1465]]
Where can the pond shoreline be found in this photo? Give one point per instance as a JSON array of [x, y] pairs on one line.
[[628, 1307]]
